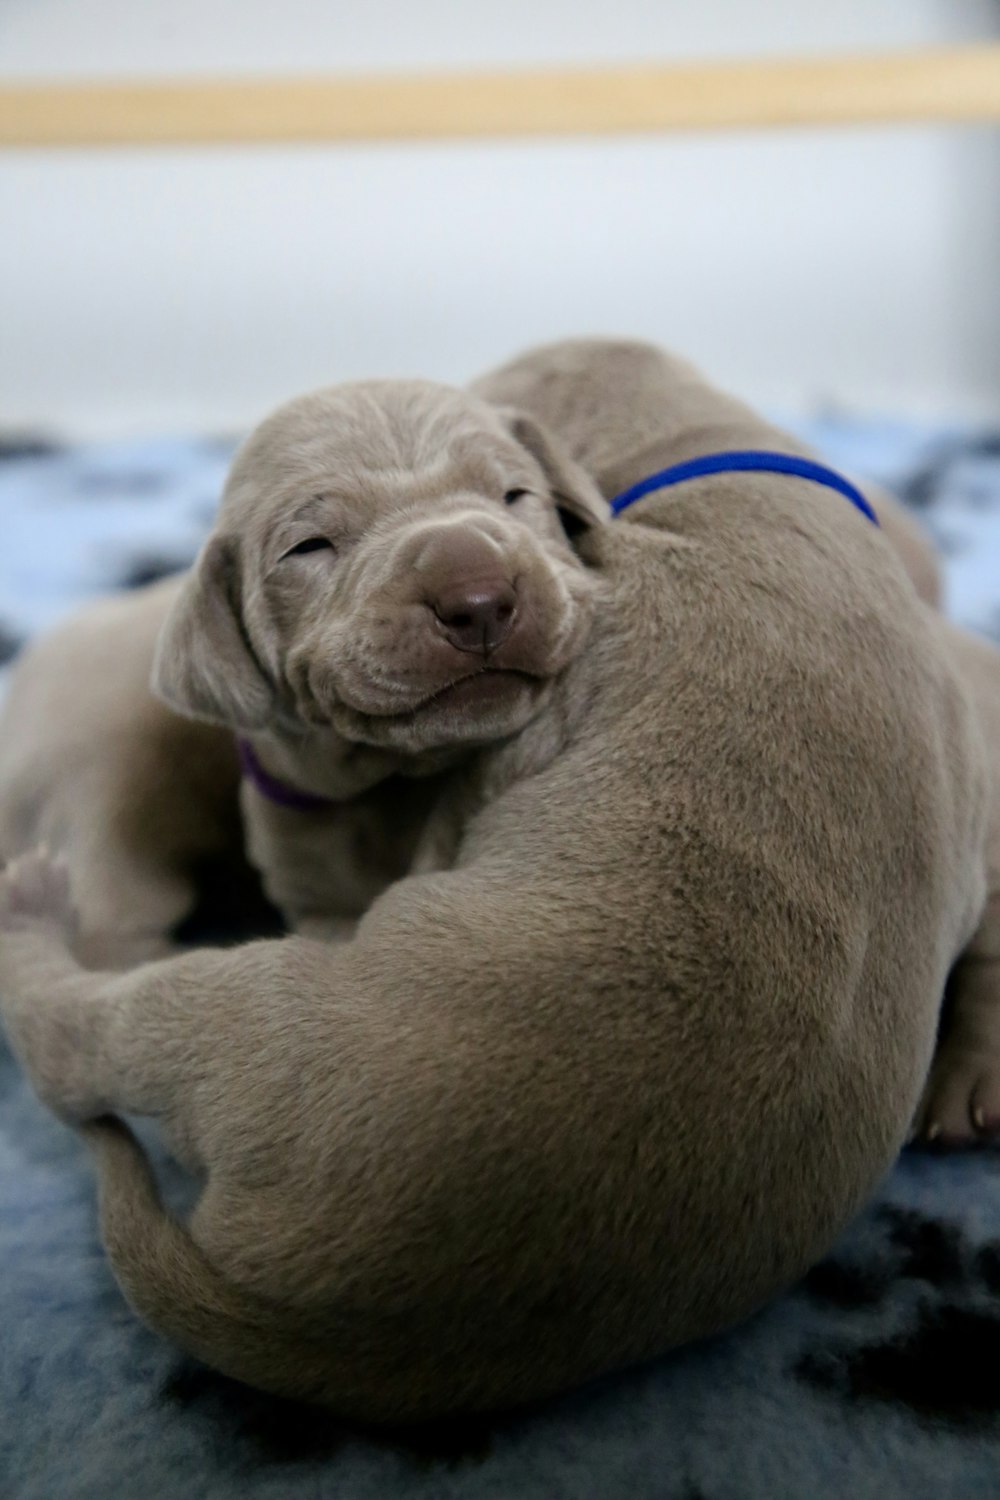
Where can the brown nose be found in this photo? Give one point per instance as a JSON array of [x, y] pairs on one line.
[[477, 614]]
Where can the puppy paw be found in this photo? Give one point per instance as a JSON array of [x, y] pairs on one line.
[[35, 895], [961, 1105]]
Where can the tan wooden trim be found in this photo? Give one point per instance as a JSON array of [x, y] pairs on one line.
[[955, 84]]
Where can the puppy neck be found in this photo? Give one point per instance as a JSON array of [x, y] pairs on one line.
[[313, 771], [283, 793]]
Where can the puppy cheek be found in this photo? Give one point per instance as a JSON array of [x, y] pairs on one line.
[[579, 620], [583, 593], [313, 678], [561, 610]]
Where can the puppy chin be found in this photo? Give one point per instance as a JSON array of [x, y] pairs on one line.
[[477, 710], [447, 701]]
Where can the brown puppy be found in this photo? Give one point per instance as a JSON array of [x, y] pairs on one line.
[[389, 582], [629, 1066]]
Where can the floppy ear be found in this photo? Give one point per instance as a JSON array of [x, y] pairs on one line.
[[204, 665], [578, 500]]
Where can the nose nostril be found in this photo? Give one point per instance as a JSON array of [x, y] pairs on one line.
[[477, 615]]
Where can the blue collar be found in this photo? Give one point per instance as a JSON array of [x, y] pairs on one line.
[[750, 458]]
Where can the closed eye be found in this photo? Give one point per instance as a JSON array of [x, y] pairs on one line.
[[311, 544], [513, 495]]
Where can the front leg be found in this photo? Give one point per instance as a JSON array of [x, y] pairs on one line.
[[961, 1103], [206, 1042], [324, 869], [43, 990]]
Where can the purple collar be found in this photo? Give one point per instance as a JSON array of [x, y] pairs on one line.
[[272, 787]]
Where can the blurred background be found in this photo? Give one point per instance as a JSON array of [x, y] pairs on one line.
[[191, 289], [156, 302]]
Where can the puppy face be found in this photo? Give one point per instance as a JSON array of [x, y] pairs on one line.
[[392, 560]]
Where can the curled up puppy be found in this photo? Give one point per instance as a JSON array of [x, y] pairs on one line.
[[390, 582], [628, 1065]]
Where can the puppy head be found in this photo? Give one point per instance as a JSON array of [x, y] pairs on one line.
[[394, 560]]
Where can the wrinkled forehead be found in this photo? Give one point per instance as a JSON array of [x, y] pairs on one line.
[[373, 443]]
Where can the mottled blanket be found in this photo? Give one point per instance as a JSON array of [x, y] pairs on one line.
[[878, 1377]]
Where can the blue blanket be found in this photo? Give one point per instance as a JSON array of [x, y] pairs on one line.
[[878, 1377]]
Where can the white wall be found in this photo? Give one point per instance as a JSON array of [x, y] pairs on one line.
[[171, 289]]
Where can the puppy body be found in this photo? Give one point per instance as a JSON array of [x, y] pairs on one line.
[[622, 407], [629, 1065], [624, 410]]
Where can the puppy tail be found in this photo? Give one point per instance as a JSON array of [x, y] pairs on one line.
[[173, 1286]]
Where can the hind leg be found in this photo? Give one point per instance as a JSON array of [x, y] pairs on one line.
[[125, 909], [127, 896], [961, 1104]]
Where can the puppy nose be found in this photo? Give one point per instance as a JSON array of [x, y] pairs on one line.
[[476, 615]]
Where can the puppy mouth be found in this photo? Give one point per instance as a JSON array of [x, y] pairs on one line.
[[484, 688], [477, 708]]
